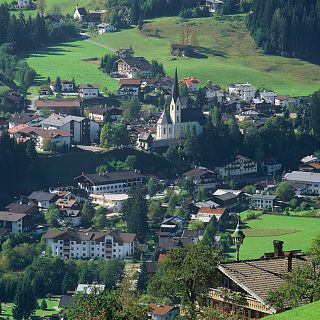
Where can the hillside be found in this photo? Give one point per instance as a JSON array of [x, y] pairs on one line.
[[307, 312]]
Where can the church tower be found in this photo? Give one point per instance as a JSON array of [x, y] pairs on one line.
[[175, 105]]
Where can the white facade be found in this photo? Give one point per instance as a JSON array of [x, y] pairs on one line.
[[88, 92], [268, 96], [105, 28], [241, 166], [307, 182], [213, 5], [58, 140], [113, 201], [128, 92], [22, 4], [244, 90], [260, 201], [66, 86]]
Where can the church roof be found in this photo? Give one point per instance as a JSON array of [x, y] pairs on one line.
[[193, 115], [175, 90], [165, 118]]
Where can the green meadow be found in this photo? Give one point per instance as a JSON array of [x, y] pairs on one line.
[[295, 232]]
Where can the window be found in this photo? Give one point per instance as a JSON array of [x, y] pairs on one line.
[[164, 130], [177, 118]]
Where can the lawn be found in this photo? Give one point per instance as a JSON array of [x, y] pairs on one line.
[[307, 312], [295, 232], [66, 61], [51, 309], [228, 55]]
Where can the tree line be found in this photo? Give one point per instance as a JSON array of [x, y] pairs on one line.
[[288, 27]]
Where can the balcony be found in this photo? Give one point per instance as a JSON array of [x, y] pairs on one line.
[[245, 301]]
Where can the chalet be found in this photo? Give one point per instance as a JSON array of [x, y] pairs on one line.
[[66, 86], [263, 201], [12, 101], [202, 177], [261, 105], [282, 101], [125, 53], [244, 90], [16, 222], [252, 280], [129, 88], [69, 217], [64, 106], [305, 182], [239, 167], [45, 91], [105, 28], [29, 119], [162, 312], [88, 91], [110, 182], [100, 114], [30, 209], [227, 200], [191, 83], [213, 5], [206, 214], [133, 67], [268, 96], [80, 14], [182, 50], [81, 129], [145, 140], [214, 92], [91, 243], [271, 166], [42, 199]]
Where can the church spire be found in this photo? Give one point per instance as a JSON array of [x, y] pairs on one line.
[[175, 91]]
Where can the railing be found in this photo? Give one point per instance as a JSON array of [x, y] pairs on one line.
[[247, 301]]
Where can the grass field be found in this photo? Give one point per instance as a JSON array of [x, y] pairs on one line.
[[307, 312], [295, 232], [66, 61], [52, 308], [229, 55]]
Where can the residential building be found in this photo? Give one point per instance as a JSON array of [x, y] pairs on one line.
[[30, 208], [162, 312], [66, 86], [202, 177], [90, 288], [133, 67], [105, 28], [69, 217], [252, 280], [191, 83], [113, 201], [227, 200], [241, 166], [64, 106], [80, 14], [282, 101], [91, 243], [177, 122], [43, 199], [263, 201], [271, 166], [244, 90], [305, 182], [205, 214], [81, 129], [214, 92], [16, 222], [100, 114], [22, 4], [29, 119], [268, 96], [213, 5], [169, 233], [182, 50], [110, 182], [129, 88], [88, 91], [125, 53]]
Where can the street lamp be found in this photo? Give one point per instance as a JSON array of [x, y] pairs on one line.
[[238, 237]]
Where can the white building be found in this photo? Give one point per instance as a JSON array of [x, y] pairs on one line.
[[214, 92], [43, 199], [271, 167], [241, 166], [134, 67], [306, 182], [88, 91], [263, 201], [105, 28], [244, 90], [91, 244], [15, 222], [66, 86], [22, 4], [205, 214], [113, 201], [80, 14], [129, 88], [110, 182], [213, 5], [268, 96], [191, 83]]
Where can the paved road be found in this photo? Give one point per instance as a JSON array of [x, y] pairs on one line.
[[100, 45], [92, 148]]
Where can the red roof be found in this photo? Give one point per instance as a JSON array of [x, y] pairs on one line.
[[126, 82], [314, 165], [217, 211], [160, 310], [41, 132], [57, 103], [17, 128], [189, 81], [162, 257]]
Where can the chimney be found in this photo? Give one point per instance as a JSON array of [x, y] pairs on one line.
[[289, 256], [278, 248]]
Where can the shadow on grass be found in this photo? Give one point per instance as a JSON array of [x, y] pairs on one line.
[[207, 51]]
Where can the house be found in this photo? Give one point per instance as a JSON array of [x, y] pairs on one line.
[[213, 5], [64, 106], [214, 93], [91, 243], [191, 83], [227, 200], [133, 67], [205, 214], [30, 209], [281, 101], [69, 217], [177, 122], [81, 129], [88, 91], [22, 4], [169, 233], [162, 312], [113, 201], [202, 177], [43, 199], [90, 288], [271, 166], [252, 280], [125, 53], [45, 91], [29, 119], [42, 137], [100, 114], [105, 28], [12, 101], [129, 88], [306, 182], [80, 14], [244, 90], [182, 50], [16, 222], [262, 105], [239, 167], [263, 201], [66, 86], [268, 96], [110, 182]]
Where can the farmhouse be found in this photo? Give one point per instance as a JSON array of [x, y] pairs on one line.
[[88, 91], [304, 182], [191, 83], [214, 92], [91, 244], [133, 67], [110, 182], [65, 106], [202, 177], [105, 28], [162, 312], [66, 86], [183, 50], [42, 199]]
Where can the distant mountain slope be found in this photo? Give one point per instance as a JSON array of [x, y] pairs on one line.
[[287, 27]]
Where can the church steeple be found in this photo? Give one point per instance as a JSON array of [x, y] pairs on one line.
[[175, 91]]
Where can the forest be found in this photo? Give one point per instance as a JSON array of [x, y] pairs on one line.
[[287, 27]]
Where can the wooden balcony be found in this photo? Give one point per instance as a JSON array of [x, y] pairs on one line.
[[247, 302]]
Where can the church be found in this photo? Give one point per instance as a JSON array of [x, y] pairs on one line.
[[175, 123]]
